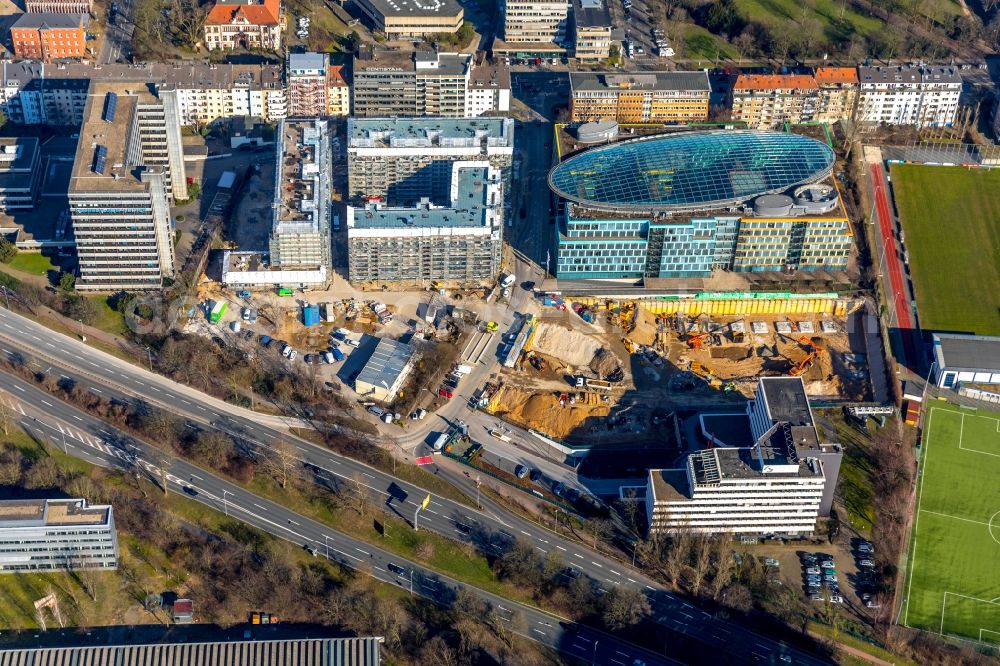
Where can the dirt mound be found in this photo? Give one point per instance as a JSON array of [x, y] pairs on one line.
[[644, 332], [542, 412], [731, 352], [573, 347], [604, 363]]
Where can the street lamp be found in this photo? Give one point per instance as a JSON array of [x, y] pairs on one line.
[[327, 540], [225, 503], [594, 660], [149, 355]]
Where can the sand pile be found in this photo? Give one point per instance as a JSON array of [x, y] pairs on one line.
[[604, 363], [542, 412], [644, 332], [573, 347]]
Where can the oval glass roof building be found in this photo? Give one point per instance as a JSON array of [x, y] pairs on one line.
[[690, 171]]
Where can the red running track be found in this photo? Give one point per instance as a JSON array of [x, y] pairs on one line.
[[899, 297]]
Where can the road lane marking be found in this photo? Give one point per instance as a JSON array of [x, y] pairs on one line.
[[614, 572], [363, 551], [561, 548], [539, 631], [264, 508], [599, 566], [19, 388], [346, 554], [578, 555], [46, 402]]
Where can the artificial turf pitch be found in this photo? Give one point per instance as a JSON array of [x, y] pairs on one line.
[[951, 222], [953, 582]]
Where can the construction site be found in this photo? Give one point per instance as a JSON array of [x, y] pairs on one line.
[[595, 366]]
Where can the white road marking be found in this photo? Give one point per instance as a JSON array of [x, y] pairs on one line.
[[578, 555], [614, 572], [347, 555], [599, 566], [19, 388], [46, 402], [259, 506], [561, 548], [363, 551]]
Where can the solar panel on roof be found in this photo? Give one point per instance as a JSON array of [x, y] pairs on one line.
[[100, 157], [110, 106]]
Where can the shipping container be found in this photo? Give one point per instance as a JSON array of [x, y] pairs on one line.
[[310, 315]]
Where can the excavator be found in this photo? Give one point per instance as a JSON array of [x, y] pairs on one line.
[[814, 351], [696, 340]]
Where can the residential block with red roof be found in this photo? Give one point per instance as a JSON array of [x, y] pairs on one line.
[[766, 101], [235, 24]]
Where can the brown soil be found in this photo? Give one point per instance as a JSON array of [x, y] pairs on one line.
[[542, 411]]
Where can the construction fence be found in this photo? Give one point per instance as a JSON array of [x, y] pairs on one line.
[[736, 304]]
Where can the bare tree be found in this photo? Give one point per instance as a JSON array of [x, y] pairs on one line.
[[5, 415], [358, 496], [675, 555], [702, 547], [599, 529], [281, 460], [623, 607], [725, 562]]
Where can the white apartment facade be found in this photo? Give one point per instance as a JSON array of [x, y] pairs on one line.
[[56, 535], [922, 96], [535, 22], [34, 93]]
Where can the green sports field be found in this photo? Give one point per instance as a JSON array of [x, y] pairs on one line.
[[953, 584], [951, 218]]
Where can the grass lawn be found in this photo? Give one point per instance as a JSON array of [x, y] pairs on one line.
[[34, 263], [954, 584], [700, 43], [108, 319], [854, 488], [951, 218]]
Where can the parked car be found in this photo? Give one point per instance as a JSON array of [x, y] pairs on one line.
[[836, 599], [292, 355], [521, 471], [771, 562], [865, 547], [265, 340], [327, 357], [868, 564], [828, 564], [814, 571]]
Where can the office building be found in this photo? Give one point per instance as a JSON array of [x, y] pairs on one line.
[[59, 6], [20, 173], [409, 19], [837, 93], [32, 93], [402, 160], [768, 101], [49, 37], [315, 87], [300, 232], [922, 96], [129, 166], [647, 97], [56, 535], [363, 651], [527, 23], [459, 242], [426, 83], [685, 204], [778, 485], [965, 359], [386, 371], [591, 30], [232, 24]]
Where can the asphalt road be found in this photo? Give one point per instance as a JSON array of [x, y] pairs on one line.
[[94, 441], [95, 370], [118, 36]]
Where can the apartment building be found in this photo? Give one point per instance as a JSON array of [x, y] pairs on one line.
[[129, 166], [457, 243], [918, 95], [639, 98], [402, 160], [20, 173], [591, 30], [315, 87], [49, 37], [232, 24], [59, 6], [837, 89], [527, 22], [34, 93], [767, 101], [779, 484], [408, 19], [426, 83], [300, 231], [56, 535]]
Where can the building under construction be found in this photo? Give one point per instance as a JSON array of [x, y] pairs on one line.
[[300, 233]]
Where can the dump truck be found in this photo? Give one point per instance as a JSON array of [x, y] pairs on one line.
[[599, 384], [218, 310]]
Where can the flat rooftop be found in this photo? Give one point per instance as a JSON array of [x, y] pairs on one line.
[[301, 178], [387, 363], [187, 74], [786, 400], [468, 209], [427, 132], [591, 13], [669, 484], [52, 512], [718, 464], [426, 62], [908, 74], [969, 352], [416, 8], [17, 156], [624, 81], [112, 135], [307, 61]]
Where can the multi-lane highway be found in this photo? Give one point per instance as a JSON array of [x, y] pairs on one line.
[[85, 437], [56, 354]]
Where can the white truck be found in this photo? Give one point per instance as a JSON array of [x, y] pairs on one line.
[[440, 441], [463, 369], [507, 281], [329, 313]]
